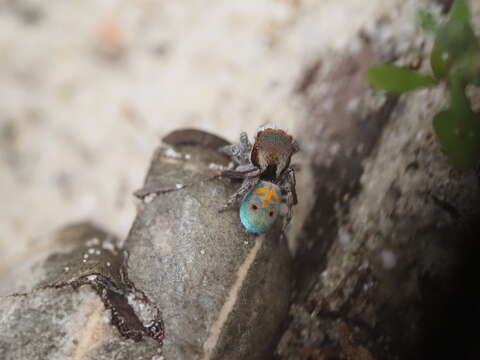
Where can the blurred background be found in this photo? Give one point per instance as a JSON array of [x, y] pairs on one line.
[[89, 87]]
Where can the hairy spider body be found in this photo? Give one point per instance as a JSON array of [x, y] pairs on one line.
[[260, 207], [267, 160], [271, 152]]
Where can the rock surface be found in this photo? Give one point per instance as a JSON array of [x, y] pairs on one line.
[[223, 292], [190, 283], [385, 266], [80, 307]]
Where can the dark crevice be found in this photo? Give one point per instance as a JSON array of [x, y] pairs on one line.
[[311, 260], [336, 181], [118, 297], [450, 299]]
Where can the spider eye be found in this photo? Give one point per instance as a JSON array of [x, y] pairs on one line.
[[254, 207], [271, 213]]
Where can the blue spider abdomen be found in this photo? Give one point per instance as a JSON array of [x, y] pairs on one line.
[[260, 207]]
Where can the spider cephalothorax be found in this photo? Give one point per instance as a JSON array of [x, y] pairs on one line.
[[267, 160], [272, 152]]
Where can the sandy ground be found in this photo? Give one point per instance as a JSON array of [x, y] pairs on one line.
[[88, 88]]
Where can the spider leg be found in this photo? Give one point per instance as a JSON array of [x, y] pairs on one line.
[[290, 200], [244, 142], [247, 185], [245, 147], [233, 152], [240, 154], [296, 146], [288, 189], [289, 182], [246, 168], [242, 172]]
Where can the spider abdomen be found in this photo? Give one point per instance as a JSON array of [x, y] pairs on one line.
[[260, 207]]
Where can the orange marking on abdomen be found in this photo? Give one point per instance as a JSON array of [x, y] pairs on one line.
[[270, 195]]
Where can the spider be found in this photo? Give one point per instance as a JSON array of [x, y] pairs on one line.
[[268, 159]]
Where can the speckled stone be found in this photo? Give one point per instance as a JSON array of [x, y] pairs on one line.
[[223, 292]]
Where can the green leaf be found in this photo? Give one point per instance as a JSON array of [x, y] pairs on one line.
[[467, 68], [459, 103], [460, 146], [438, 63], [458, 129], [460, 10], [456, 36], [397, 80], [427, 20]]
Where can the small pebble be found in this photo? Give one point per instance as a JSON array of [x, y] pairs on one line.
[[148, 199]]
